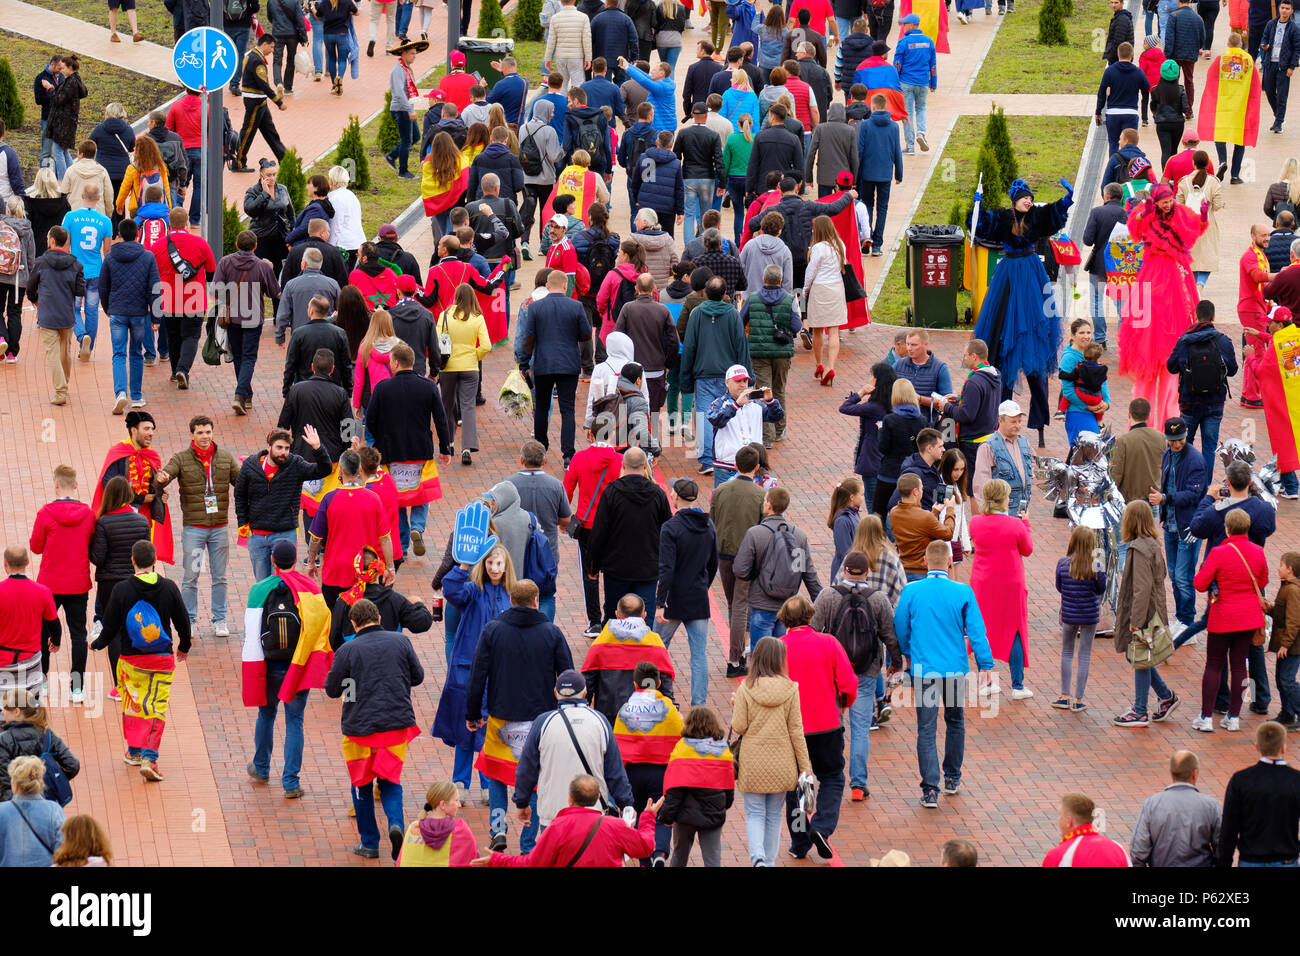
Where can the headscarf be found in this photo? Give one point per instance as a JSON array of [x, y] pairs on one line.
[[1019, 190]]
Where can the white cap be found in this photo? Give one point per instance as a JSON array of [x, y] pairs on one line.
[[559, 220], [1009, 409], [738, 371]]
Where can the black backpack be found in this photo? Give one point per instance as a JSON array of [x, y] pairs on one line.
[[601, 258], [784, 564], [624, 294], [1121, 168], [639, 145], [235, 9], [590, 137], [531, 159], [855, 626], [281, 625], [178, 167], [1205, 372]]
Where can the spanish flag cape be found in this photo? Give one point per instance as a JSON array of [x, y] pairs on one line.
[[934, 20], [449, 274], [846, 224], [1279, 384], [141, 464], [502, 744], [700, 763], [647, 727], [417, 482], [439, 197], [313, 656], [1230, 101], [377, 755], [315, 490], [578, 182], [878, 75], [609, 653]]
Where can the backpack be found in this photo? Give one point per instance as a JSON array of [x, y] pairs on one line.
[[1205, 370], [178, 166], [1121, 170], [531, 159], [601, 259], [783, 565], [153, 230], [1284, 206], [57, 787], [11, 251], [625, 293], [539, 559], [855, 626], [229, 139], [235, 9], [639, 145], [589, 137], [144, 630], [281, 625], [142, 182]]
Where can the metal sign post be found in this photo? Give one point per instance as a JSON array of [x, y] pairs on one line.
[[205, 59]]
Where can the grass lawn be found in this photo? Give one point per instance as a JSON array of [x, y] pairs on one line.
[[105, 83], [1016, 63], [154, 20], [1040, 143]]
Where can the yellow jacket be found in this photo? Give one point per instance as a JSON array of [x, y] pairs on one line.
[[130, 197], [470, 341]]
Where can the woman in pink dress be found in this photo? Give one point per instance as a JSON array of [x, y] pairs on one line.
[[1001, 543], [1165, 297]]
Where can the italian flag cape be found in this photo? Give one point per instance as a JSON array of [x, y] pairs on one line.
[[160, 532], [689, 767], [313, 656]]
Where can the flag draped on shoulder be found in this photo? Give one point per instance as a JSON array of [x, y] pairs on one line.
[[700, 763], [609, 653], [647, 728], [311, 658], [1279, 383], [502, 744], [878, 75], [439, 197], [933, 15], [1229, 111], [141, 465], [315, 490], [578, 182]]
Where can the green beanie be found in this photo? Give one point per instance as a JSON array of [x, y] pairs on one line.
[[1169, 71]]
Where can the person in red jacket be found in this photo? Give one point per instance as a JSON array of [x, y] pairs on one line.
[[1252, 310], [1081, 844], [185, 118], [818, 663], [590, 473], [377, 282], [455, 86], [183, 303], [63, 530], [581, 835], [27, 607]]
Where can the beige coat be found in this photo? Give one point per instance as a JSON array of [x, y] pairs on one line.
[[660, 256], [1205, 253], [85, 171], [774, 750], [1141, 589], [570, 37]]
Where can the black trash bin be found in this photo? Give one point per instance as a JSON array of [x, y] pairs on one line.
[[479, 54], [932, 256]]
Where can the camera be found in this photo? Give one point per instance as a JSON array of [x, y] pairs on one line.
[[940, 494], [755, 394]]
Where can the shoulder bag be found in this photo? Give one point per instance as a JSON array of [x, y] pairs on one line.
[[605, 808], [36, 833], [1150, 646], [1261, 633], [853, 290], [444, 342], [591, 835], [574, 526]]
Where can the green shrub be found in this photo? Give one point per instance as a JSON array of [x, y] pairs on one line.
[[998, 136], [11, 107], [351, 155], [957, 217], [293, 179], [528, 21], [1051, 22], [491, 21], [989, 171], [388, 137], [230, 227]]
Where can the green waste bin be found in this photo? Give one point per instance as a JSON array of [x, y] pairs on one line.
[[932, 253], [479, 54]]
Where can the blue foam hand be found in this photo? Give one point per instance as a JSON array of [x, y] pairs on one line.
[[1066, 186], [471, 539]]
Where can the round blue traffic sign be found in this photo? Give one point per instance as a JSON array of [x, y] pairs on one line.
[[205, 57]]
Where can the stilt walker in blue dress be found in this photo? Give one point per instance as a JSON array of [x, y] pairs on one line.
[[1019, 319]]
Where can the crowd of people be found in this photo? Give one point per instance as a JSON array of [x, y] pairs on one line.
[[798, 121]]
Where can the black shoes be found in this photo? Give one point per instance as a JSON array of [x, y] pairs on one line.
[[240, 169], [365, 852], [737, 670], [395, 834], [370, 51], [259, 777], [498, 843]]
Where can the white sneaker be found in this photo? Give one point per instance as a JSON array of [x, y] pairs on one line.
[[1176, 628], [221, 629], [77, 696], [95, 630], [138, 403], [1232, 724], [120, 405], [1192, 641], [1021, 693], [1204, 724], [991, 689]]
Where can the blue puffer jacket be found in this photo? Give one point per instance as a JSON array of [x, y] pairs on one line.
[[854, 48], [128, 280], [869, 414], [663, 191], [843, 530], [1177, 363], [114, 139], [1080, 599], [1184, 34]]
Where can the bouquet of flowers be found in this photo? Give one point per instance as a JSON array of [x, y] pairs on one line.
[[516, 398]]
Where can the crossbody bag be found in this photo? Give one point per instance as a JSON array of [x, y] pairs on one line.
[[1261, 633], [605, 808], [574, 526]]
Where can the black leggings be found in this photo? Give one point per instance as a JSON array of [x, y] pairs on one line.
[[11, 306], [1209, 12], [1169, 135]]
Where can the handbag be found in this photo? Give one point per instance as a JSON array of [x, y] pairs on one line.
[[444, 343], [573, 527], [1261, 633], [1150, 646], [853, 290], [211, 350]]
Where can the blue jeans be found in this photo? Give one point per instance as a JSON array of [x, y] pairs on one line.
[[1201, 278], [462, 771], [244, 343], [499, 813], [669, 55], [195, 158], [699, 196], [150, 352], [1180, 559], [403, 18], [1290, 483], [860, 715], [930, 692], [1285, 863], [914, 576], [1115, 126], [914, 97], [615, 588], [845, 25], [546, 604], [875, 196], [1143, 683], [259, 550], [1207, 418], [1287, 688], [763, 624], [336, 54], [1163, 9], [697, 632], [121, 328], [363, 801], [264, 730], [85, 310], [239, 37], [407, 134], [216, 542], [144, 753], [706, 390], [317, 44], [415, 517], [354, 50], [1017, 663], [63, 158], [47, 144], [722, 474], [1097, 290], [763, 813]]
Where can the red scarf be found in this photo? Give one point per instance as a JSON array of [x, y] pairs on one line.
[[411, 92], [269, 467], [372, 572], [205, 459]]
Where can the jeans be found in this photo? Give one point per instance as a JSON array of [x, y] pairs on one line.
[[259, 550], [669, 55], [1238, 154], [85, 310], [546, 604], [722, 474], [860, 715], [736, 190], [63, 158], [144, 753], [416, 517], [1116, 123], [914, 97], [336, 55], [1280, 863], [1277, 85], [404, 11], [407, 134], [697, 632], [363, 801], [244, 342], [238, 36], [216, 542], [1072, 635], [845, 25], [317, 44], [1163, 9], [195, 158], [615, 588], [462, 768], [1143, 683], [1097, 290], [264, 730], [1201, 278], [763, 624], [1287, 689], [1180, 558], [826, 754], [875, 196], [914, 576], [930, 693], [163, 346], [1290, 483], [566, 386], [763, 812], [699, 196], [121, 328], [706, 390], [1207, 418], [499, 815]]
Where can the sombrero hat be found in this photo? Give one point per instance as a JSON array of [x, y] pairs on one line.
[[419, 46]]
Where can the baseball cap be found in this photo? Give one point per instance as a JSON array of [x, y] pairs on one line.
[[406, 283], [1175, 429], [456, 58], [1009, 409], [699, 108], [844, 178], [284, 554], [559, 219], [911, 18], [856, 562], [386, 230], [1190, 138], [738, 372], [571, 684], [685, 489], [436, 95]]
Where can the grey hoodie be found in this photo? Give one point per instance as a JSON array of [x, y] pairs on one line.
[[511, 523], [762, 251], [833, 148], [541, 131], [53, 284], [636, 412]]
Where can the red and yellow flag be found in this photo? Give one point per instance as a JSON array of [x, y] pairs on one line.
[[315, 490], [578, 182], [417, 482], [700, 763], [608, 653], [1279, 385], [440, 197], [1230, 102], [312, 657], [934, 20], [145, 683], [647, 728], [377, 755], [502, 744]]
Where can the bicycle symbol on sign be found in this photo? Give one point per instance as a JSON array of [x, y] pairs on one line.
[[189, 59]]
